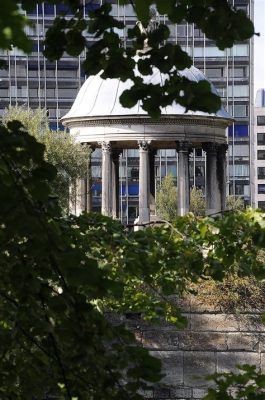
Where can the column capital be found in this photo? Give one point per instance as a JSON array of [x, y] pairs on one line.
[[210, 147], [183, 146], [116, 154], [223, 147], [105, 146], [144, 145]]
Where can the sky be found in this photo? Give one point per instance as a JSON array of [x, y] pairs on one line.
[[259, 45]]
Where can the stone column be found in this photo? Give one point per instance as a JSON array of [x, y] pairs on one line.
[[106, 202], [183, 178], [115, 183], [144, 182], [215, 178], [88, 185], [152, 154], [76, 197], [222, 173]]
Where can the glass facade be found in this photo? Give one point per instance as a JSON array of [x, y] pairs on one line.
[[35, 82]]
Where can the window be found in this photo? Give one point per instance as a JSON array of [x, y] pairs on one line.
[[96, 171], [182, 30], [172, 169], [261, 154], [238, 130], [238, 72], [261, 188], [261, 205], [208, 52], [198, 33], [261, 120], [133, 153], [133, 189], [240, 150], [239, 170], [238, 110], [65, 93], [50, 93], [239, 189], [48, 9], [214, 72], [261, 172], [238, 50], [261, 138], [133, 172], [3, 92], [238, 91]]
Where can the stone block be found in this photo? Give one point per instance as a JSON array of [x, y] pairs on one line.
[[197, 366], [261, 337], [243, 342], [214, 323], [172, 366], [251, 323], [227, 361], [147, 394], [165, 340], [181, 393], [202, 341], [199, 393], [262, 362], [161, 393]]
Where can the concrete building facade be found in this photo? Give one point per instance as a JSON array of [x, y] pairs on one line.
[[258, 145]]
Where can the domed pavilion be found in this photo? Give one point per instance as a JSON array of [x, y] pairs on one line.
[[98, 119]]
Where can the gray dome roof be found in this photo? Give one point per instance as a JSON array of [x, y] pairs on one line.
[[100, 98]]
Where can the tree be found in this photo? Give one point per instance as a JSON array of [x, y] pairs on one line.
[[197, 202], [234, 203], [217, 19], [67, 156], [58, 274], [167, 200]]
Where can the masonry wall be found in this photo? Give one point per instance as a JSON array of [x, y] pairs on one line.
[[212, 342]]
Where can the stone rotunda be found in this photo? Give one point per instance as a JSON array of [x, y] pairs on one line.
[[98, 119]]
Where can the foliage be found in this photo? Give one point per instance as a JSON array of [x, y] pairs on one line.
[[48, 285], [217, 19], [58, 274], [234, 203], [167, 200], [232, 295], [243, 385], [67, 156], [197, 202]]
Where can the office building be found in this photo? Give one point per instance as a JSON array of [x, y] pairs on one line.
[[259, 151], [35, 82]]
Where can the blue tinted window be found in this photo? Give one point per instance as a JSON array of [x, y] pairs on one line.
[[62, 8], [34, 11], [91, 6], [36, 47], [123, 190], [133, 189], [49, 9], [53, 126], [96, 189], [240, 130]]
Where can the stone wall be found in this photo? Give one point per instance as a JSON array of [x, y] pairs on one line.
[[212, 342]]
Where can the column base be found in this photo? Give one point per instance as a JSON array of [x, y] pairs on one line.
[[144, 215]]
